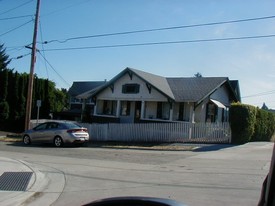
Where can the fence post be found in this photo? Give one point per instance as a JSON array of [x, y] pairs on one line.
[[190, 130]]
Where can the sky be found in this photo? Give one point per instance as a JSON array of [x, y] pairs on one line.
[[94, 40]]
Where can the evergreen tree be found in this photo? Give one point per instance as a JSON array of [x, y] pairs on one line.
[[198, 74], [14, 112], [10, 100], [13, 93], [4, 85], [264, 107], [22, 82], [4, 106], [4, 111], [4, 59]]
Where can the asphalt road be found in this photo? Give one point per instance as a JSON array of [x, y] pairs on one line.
[[209, 176]]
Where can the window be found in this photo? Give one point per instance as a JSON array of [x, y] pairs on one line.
[[41, 126], [76, 100], [181, 111], [125, 108], [211, 112], [163, 110], [130, 88], [109, 107], [52, 125]]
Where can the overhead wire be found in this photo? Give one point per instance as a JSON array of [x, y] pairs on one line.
[[58, 10], [21, 56], [159, 29], [15, 7], [260, 94], [54, 69], [162, 43], [11, 30], [17, 48], [41, 36], [15, 17]]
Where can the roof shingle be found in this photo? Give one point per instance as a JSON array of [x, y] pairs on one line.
[[194, 89]]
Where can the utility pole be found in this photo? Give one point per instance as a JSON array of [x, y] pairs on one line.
[[31, 75]]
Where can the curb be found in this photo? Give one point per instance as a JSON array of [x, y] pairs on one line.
[[44, 188]]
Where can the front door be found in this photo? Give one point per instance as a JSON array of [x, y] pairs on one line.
[[137, 112], [126, 112], [130, 112]]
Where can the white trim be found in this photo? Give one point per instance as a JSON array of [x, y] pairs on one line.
[[218, 104]]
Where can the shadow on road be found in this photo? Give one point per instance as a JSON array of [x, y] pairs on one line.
[[41, 145], [213, 147]]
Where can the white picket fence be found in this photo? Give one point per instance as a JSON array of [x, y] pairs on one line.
[[161, 132], [158, 132]]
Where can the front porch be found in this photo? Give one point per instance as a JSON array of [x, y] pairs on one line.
[[124, 111]]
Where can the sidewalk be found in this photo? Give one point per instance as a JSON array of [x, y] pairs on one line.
[[23, 183]]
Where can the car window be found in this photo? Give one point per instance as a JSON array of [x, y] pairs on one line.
[[52, 125], [71, 125], [41, 126]]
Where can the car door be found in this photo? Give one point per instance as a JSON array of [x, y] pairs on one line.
[[49, 132], [39, 133]]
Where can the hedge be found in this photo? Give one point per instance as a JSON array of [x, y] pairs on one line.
[[242, 120], [265, 126], [249, 123]]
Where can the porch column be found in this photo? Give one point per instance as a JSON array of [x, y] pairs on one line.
[[191, 120], [171, 114], [83, 109], [192, 114], [117, 108], [142, 109], [95, 107]]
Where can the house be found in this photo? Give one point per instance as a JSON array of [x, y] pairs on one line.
[[136, 96], [76, 105]]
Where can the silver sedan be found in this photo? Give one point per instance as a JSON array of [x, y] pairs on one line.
[[58, 133]]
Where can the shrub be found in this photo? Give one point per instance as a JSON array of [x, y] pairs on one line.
[[271, 125], [265, 126], [4, 111], [242, 122]]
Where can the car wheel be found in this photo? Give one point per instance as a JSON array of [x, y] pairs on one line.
[[26, 140], [58, 142]]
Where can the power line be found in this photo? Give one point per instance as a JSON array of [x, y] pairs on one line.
[[21, 56], [41, 36], [54, 69], [15, 17], [16, 7], [17, 48], [162, 43], [70, 6], [11, 30], [160, 29], [260, 94]]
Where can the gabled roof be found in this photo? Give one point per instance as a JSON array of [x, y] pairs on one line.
[[80, 87], [236, 89], [159, 82], [194, 89]]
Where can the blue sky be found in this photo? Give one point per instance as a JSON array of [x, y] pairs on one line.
[[251, 61]]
